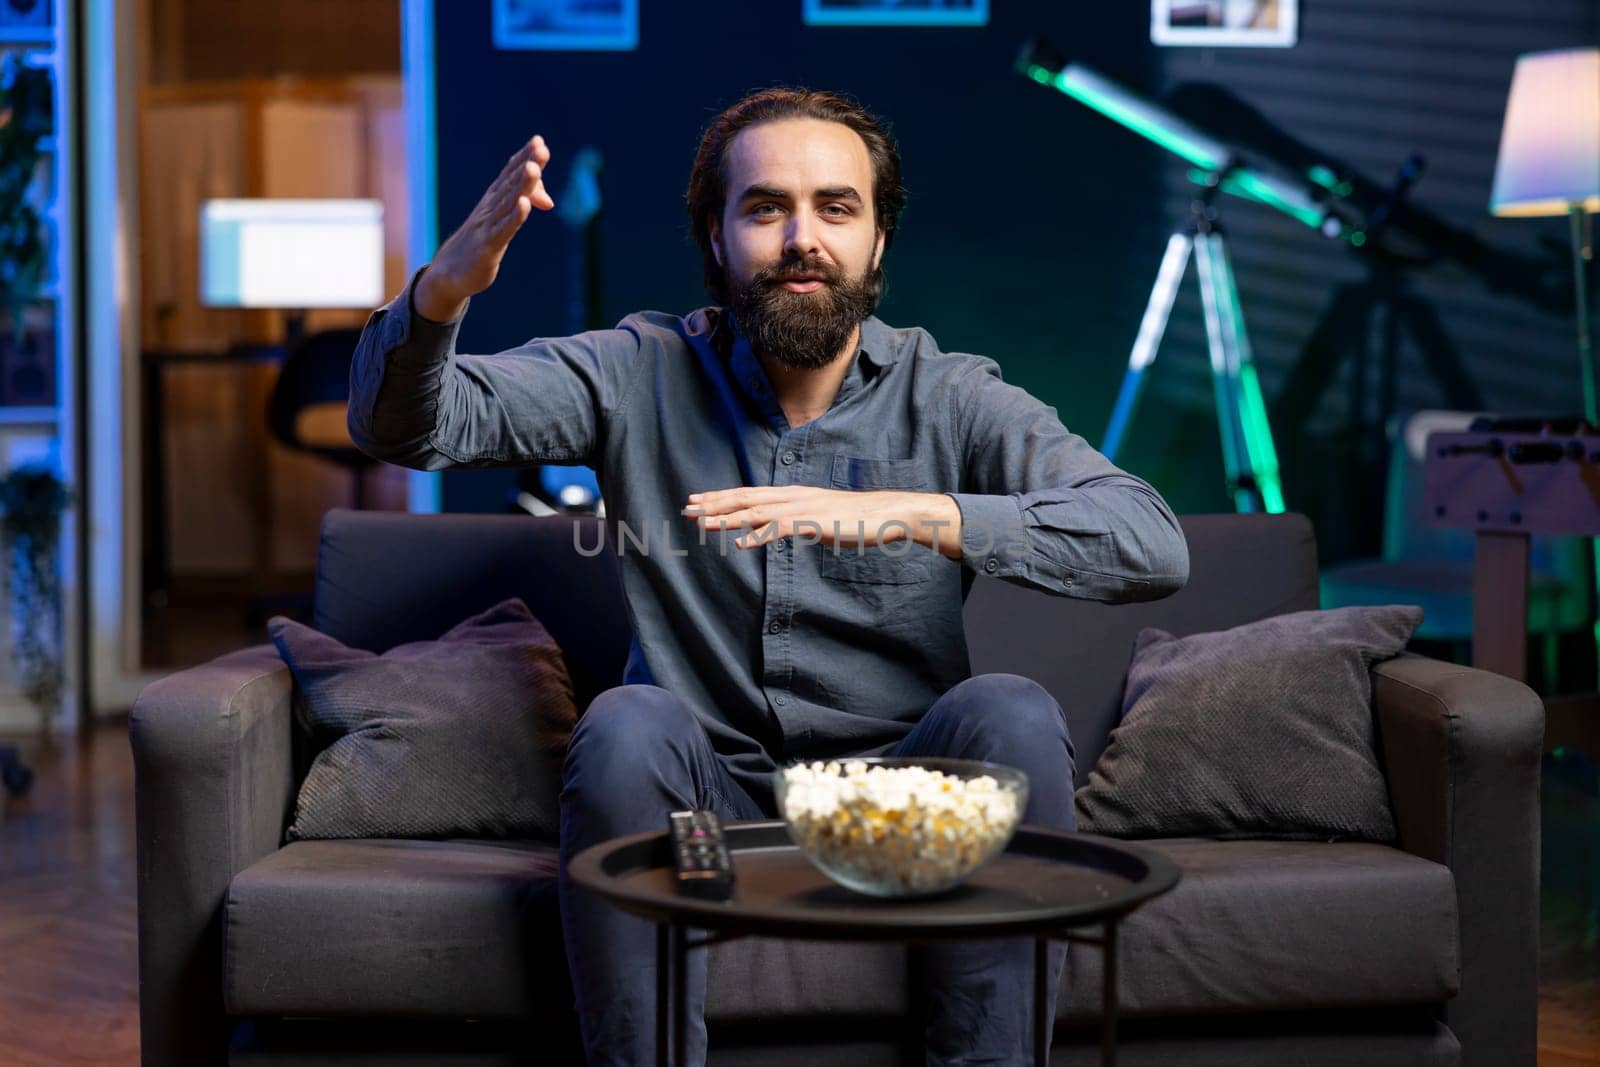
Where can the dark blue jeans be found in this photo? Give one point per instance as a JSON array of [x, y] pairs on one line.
[[638, 753]]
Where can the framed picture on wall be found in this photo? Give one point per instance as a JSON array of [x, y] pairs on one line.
[[1225, 23], [567, 25], [896, 12]]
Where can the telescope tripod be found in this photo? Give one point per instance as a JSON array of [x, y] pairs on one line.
[[1248, 454]]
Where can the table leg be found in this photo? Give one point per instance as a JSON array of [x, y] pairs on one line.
[[680, 996], [1500, 603], [1108, 995], [663, 962], [1041, 992]]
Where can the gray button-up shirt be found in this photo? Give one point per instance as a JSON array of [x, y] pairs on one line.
[[794, 648]]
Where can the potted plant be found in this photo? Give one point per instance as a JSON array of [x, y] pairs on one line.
[[25, 118], [26, 325], [32, 499]]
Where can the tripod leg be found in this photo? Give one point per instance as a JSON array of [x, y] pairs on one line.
[[1253, 469], [1151, 329], [1229, 425]]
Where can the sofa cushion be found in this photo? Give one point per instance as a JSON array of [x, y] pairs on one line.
[[1262, 730], [1281, 925], [453, 929], [470, 929], [454, 737]]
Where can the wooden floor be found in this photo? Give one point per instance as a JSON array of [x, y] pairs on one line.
[[69, 990], [68, 971]]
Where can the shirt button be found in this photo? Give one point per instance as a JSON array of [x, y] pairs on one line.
[[788, 457], [780, 701], [775, 627], [1067, 580], [991, 565]]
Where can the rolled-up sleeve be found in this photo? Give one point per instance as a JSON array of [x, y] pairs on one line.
[[416, 402], [1041, 507]]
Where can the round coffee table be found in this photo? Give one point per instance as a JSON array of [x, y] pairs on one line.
[[1045, 885]]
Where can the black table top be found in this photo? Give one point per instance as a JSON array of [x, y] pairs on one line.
[[1045, 880]]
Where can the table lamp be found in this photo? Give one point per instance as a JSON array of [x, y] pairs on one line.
[[1549, 164]]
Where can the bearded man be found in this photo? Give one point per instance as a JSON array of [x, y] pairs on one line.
[[856, 478]]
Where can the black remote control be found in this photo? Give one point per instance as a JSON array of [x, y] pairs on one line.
[[700, 855]]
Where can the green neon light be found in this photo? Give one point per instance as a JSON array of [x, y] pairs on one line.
[[1135, 121], [1330, 181], [1260, 453], [1258, 439], [1251, 187], [1232, 462], [1358, 238]]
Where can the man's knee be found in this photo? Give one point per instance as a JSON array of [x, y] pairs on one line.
[[1008, 705], [628, 729]]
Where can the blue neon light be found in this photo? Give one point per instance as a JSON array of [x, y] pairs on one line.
[[897, 13], [567, 25]]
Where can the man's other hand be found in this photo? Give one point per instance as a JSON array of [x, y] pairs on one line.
[[830, 516]]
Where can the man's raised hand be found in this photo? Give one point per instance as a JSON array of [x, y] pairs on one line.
[[467, 263]]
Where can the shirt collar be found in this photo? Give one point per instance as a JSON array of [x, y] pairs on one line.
[[878, 342]]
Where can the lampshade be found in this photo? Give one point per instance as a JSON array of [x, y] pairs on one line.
[[1550, 143]]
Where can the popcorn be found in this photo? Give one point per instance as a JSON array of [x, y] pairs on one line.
[[896, 830]]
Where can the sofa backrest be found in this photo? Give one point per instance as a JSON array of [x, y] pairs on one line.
[[1241, 568], [385, 578]]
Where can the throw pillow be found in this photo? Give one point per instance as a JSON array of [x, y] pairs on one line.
[[1264, 730], [458, 737]]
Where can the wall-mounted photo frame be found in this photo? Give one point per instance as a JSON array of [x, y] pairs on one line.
[[1225, 23], [896, 12], [567, 25]]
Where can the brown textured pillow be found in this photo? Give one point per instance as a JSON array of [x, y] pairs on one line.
[[1264, 730], [458, 737]]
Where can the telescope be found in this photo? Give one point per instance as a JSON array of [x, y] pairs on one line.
[[1311, 198], [1233, 149], [1248, 454]]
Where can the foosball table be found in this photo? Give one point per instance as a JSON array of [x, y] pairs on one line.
[[1507, 479]]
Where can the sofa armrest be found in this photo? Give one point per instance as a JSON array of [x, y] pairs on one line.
[[213, 786], [1461, 748]]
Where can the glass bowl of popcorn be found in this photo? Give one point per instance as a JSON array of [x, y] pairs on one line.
[[900, 826]]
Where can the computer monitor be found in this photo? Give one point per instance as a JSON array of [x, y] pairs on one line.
[[270, 253]]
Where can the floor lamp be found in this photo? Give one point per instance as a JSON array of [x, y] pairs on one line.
[[1549, 164]]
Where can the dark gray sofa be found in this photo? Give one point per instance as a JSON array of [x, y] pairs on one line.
[[448, 952]]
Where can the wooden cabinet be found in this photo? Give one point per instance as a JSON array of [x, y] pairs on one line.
[[237, 502]]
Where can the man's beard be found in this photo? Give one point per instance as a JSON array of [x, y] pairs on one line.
[[803, 330]]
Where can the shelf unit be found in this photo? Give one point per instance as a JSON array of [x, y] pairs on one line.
[[46, 434]]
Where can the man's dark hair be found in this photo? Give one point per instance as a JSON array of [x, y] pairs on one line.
[[708, 180]]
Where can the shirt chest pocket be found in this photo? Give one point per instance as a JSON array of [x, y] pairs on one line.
[[901, 563]]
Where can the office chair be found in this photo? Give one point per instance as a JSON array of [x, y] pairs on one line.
[[307, 410]]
